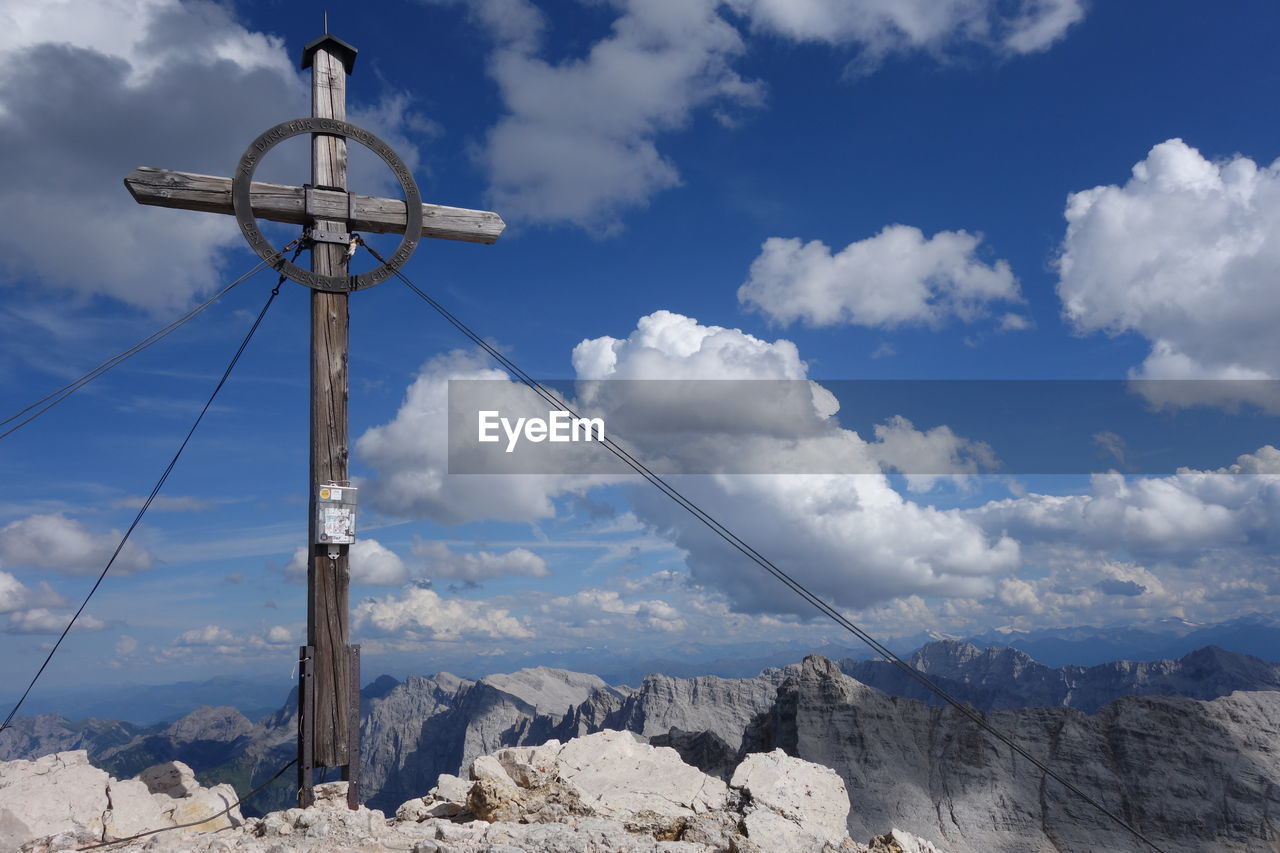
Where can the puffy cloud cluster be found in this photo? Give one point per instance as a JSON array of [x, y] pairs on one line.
[[39, 610], [54, 541], [666, 345], [1183, 254], [1181, 516], [42, 620], [90, 89], [440, 561], [900, 447], [578, 144], [853, 539], [15, 595], [370, 561], [236, 644], [896, 278], [410, 457], [209, 635], [418, 613], [598, 613], [640, 613], [881, 29]]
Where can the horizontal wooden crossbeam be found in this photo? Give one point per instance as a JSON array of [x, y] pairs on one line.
[[280, 203]]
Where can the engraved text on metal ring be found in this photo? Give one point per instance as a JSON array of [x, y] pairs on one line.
[[243, 205]]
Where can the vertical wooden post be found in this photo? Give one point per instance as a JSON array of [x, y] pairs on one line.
[[328, 576], [351, 773]]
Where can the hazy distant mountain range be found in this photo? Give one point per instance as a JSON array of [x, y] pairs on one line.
[[1005, 678], [1257, 635], [1197, 771]]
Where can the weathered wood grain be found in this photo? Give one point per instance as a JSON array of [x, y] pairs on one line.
[[328, 629], [280, 203]]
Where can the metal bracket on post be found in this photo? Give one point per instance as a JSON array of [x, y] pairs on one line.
[[306, 725], [321, 235], [351, 772]]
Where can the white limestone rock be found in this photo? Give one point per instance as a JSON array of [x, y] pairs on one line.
[[447, 799], [610, 791], [488, 767], [132, 809], [788, 797], [450, 788], [61, 801], [529, 766], [619, 775], [897, 841], [55, 794]]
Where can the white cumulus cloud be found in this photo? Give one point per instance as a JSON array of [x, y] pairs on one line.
[[423, 614], [851, 538], [209, 635], [54, 541], [15, 595], [91, 89], [41, 620], [440, 561], [884, 28], [898, 277], [370, 561], [411, 459], [1235, 510], [579, 142], [1185, 255]]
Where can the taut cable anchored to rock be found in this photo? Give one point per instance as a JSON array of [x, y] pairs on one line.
[[155, 490], [55, 397], [760, 560]]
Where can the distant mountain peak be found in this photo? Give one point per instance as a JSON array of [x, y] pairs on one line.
[[222, 723]]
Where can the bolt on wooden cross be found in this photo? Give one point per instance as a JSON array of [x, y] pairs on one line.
[[329, 734]]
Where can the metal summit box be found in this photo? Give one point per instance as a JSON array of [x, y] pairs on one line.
[[335, 514]]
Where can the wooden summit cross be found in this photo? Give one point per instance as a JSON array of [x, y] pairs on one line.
[[329, 689]]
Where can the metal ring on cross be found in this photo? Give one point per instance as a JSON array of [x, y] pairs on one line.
[[241, 201]]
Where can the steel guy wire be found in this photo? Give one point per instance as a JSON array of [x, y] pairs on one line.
[[763, 562], [137, 519], [55, 397]]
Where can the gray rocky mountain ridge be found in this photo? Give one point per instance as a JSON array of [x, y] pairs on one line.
[[1002, 678], [926, 769]]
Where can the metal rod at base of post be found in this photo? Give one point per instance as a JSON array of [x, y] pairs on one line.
[[306, 726], [351, 772]]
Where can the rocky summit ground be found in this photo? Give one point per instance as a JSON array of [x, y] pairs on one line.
[[601, 793]]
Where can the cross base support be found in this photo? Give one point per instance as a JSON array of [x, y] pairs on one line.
[[306, 728]]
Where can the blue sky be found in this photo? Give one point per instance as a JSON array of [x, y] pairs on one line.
[[750, 189]]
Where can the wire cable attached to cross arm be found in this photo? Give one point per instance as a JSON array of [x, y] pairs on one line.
[[137, 519], [53, 398], [760, 560]]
